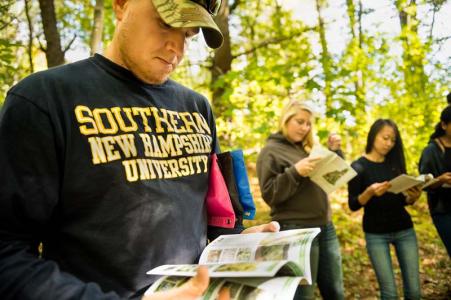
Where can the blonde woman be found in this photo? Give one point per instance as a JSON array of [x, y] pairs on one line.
[[283, 169]]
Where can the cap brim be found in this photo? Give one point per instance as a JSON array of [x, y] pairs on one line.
[[186, 14]]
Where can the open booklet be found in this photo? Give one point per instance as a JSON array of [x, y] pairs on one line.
[[331, 170], [404, 182], [248, 264]]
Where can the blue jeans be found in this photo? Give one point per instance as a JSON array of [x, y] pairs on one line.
[[325, 264], [405, 243], [443, 224]]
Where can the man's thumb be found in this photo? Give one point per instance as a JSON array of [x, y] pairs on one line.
[[200, 282]]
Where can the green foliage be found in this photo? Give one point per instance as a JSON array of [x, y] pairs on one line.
[[263, 80], [7, 67], [10, 65]]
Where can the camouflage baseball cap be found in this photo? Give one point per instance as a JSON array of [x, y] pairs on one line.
[[186, 13]]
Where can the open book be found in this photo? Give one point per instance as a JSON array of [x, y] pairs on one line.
[[331, 171], [248, 264], [404, 182]]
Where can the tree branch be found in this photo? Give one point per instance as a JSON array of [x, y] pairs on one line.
[[41, 46], [271, 41], [70, 44], [444, 38], [30, 36]]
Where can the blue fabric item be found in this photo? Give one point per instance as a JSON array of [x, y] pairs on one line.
[[242, 184]]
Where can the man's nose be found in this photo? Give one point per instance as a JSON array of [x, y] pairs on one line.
[[176, 41]]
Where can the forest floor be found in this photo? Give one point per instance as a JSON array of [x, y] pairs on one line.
[[359, 278]]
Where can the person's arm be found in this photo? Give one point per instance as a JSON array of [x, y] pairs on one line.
[[412, 195], [430, 164], [213, 232], [29, 193], [277, 184], [355, 187], [359, 194]]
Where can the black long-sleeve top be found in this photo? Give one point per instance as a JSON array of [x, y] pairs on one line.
[[433, 160], [382, 214]]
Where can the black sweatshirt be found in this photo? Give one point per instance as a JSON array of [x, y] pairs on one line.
[[382, 214], [108, 172]]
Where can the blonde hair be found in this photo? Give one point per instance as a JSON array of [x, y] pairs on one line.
[[289, 111]]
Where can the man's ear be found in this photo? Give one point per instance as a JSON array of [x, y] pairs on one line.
[[119, 7]]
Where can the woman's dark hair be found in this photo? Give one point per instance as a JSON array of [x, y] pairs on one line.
[[396, 155], [445, 117]]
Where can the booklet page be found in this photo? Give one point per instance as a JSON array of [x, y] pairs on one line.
[[248, 269], [253, 255], [240, 289], [290, 245], [331, 172], [404, 182]]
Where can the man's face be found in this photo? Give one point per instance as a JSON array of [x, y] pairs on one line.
[[146, 45]]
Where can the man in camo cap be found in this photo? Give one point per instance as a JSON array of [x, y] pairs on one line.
[[107, 163], [151, 36], [179, 14]]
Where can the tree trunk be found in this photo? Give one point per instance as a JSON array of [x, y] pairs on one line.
[[221, 64], [325, 58], [417, 87], [222, 60], [97, 28], [357, 42], [413, 50], [30, 36], [53, 51]]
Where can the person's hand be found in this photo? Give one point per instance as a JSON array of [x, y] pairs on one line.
[[376, 189], [379, 188], [334, 142], [445, 178], [191, 290], [306, 165], [273, 226], [413, 194]]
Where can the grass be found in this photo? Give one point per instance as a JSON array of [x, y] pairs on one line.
[[359, 278]]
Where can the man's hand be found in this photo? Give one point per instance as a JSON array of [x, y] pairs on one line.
[[268, 227], [191, 290]]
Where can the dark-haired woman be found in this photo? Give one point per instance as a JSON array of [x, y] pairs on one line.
[[385, 220], [436, 159]]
